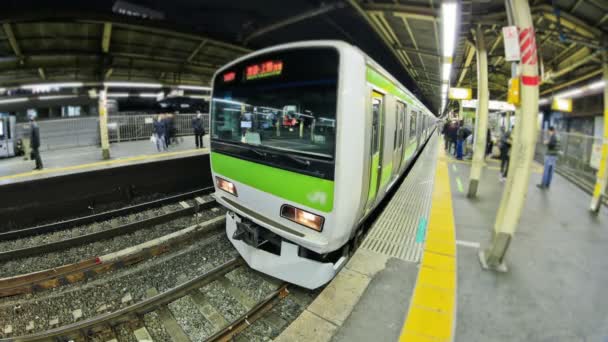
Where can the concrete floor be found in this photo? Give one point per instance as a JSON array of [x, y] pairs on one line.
[[88, 154], [555, 289]]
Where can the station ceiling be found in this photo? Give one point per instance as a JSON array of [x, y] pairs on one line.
[[189, 39]]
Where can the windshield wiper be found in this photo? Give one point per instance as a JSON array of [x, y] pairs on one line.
[[300, 161]]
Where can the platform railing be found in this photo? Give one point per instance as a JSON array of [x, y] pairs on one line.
[[578, 158], [56, 134]]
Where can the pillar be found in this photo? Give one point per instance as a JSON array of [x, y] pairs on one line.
[[602, 172], [103, 124], [524, 140], [481, 121]]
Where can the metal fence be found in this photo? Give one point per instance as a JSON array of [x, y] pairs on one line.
[[140, 126], [58, 134], [578, 159]]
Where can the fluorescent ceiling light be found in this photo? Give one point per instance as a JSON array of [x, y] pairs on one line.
[[154, 95], [117, 95], [544, 101], [132, 85], [444, 88], [570, 93], [592, 86], [52, 85], [445, 72], [189, 87], [55, 97], [200, 97], [14, 100], [449, 16]]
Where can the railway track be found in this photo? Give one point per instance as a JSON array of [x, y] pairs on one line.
[[62, 261], [132, 321], [186, 285]]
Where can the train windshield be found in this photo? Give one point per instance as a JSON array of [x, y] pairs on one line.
[[283, 101]]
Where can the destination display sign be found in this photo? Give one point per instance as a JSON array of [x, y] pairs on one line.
[[262, 70]]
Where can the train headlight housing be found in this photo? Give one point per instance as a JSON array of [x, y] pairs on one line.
[[226, 186], [303, 217]]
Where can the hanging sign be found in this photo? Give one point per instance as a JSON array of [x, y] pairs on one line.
[[511, 43]]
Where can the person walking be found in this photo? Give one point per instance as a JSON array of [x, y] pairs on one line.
[[505, 148], [199, 131], [35, 141], [159, 134], [551, 154]]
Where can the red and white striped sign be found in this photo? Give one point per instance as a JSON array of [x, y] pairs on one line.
[[529, 56]]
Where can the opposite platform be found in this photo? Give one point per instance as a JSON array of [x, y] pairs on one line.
[[82, 159]]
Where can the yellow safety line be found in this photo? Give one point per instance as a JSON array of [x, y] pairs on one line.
[[536, 167], [100, 163], [432, 311]]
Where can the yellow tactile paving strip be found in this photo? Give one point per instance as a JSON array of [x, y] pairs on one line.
[[432, 312], [101, 164]]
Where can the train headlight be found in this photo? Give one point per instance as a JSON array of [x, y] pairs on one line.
[[303, 217], [226, 186]]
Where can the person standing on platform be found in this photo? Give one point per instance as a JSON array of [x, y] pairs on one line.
[[159, 134], [199, 131], [452, 136], [168, 121], [35, 141], [460, 137], [505, 149], [552, 144], [444, 131]]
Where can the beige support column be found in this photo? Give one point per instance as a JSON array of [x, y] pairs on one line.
[[481, 121], [602, 172], [103, 124], [524, 141]]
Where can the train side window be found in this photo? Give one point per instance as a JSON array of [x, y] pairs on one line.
[[413, 124], [376, 108], [401, 124]]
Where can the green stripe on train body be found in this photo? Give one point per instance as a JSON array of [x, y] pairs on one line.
[[306, 190], [387, 85], [387, 172], [373, 182]]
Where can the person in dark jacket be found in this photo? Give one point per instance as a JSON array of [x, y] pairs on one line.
[[552, 144], [461, 135], [169, 129], [505, 148], [35, 141], [159, 134], [452, 136], [199, 131], [444, 131]]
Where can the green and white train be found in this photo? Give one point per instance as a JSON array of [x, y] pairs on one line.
[[306, 139]]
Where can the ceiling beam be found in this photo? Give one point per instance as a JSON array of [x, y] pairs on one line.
[[408, 11], [197, 50], [106, 37], [324, 8], [8, 30], [413, 49]]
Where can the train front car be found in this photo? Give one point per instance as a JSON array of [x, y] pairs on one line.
[[275, 123]]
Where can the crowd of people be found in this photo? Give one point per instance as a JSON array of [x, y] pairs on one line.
[[164, 131], [455, 135]]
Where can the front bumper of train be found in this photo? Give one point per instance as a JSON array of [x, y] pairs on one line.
[[288, 266]]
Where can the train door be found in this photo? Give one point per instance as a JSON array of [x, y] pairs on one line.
[[398, 142], [7, 129], [376, 147]]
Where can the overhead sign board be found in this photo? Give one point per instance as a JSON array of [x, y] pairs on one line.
[[460, 94], [511, 43], [492, 105], [562, 105]]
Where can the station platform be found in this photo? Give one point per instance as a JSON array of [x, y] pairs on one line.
[[88, 158], [417, 275]]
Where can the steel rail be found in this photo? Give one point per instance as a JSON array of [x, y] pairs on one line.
[[61, 225], [87, 327], [255, 313], [102, 235], [89, 268]]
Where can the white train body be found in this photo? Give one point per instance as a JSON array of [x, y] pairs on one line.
[[299, 172]]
